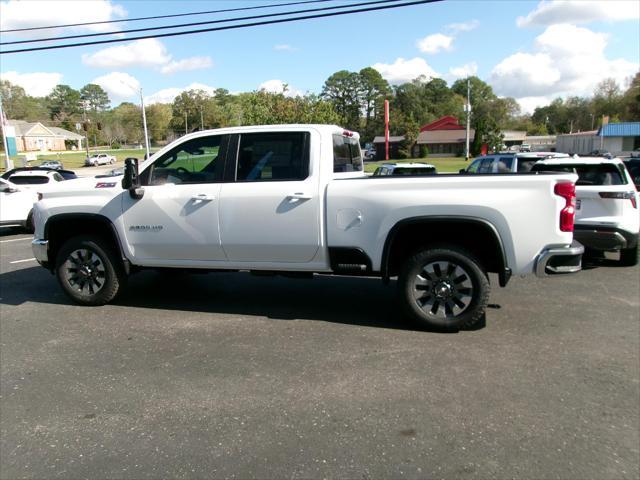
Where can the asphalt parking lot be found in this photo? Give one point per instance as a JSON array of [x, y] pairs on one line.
[[229, 375]]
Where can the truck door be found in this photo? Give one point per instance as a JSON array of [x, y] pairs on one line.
[[177, 217], [271, 211]]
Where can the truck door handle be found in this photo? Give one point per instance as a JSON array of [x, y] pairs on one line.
[[299, 196], [203, 197]]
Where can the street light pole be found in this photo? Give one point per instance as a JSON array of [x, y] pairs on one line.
[[144, 123], [186, 130], [467, 108], [201, 119], [85, 126]]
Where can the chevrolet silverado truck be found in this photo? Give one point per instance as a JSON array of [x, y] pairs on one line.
[[294, 200]]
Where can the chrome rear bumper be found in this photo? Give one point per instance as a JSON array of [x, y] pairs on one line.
[[555, 260]]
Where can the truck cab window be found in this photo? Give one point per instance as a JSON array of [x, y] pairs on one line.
[[273, 157], [195, 161]]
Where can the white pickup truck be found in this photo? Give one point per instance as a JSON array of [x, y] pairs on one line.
[[294, 200]]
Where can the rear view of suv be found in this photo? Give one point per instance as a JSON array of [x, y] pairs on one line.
[[509, 162], [607, 216]]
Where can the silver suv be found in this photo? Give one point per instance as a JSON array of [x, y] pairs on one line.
[[509, 162]]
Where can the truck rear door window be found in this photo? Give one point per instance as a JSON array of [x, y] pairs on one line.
[[346, 154], [278, 156], [29, 180]]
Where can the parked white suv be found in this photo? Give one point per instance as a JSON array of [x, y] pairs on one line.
[[405, 169], [99, 159], [16, 204], [35, 178], [607, 216]]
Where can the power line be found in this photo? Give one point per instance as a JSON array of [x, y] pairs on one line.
[[29, 29], [217, 29], [193, 24]]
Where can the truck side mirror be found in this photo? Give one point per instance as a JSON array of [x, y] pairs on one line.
[[131, 180]]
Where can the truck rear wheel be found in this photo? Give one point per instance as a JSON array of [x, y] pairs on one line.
[[89, 271], [444, 288]]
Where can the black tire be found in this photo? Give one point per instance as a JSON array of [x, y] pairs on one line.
[[455, 285], [29, 227], [629, 256], [99, 273]]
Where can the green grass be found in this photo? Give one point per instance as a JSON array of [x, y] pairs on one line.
[[72, 160], [443, 165]]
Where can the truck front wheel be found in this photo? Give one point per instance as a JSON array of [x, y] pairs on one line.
[[444, 288], [88, 270]]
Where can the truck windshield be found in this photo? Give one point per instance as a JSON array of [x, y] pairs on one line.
[[346, 154]]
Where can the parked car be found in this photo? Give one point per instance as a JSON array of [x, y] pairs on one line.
[[633, 167], [16, 204], [600, 153], [509, 162], [35, 178], [294, 200], [66, 174], [607, 217], [99, 159], [405, 169], [55, 164]]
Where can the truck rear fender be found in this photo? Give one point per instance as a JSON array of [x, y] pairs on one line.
[[60, 228], [476, 235]]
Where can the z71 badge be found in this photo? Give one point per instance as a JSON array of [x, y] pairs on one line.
[[145, 228]]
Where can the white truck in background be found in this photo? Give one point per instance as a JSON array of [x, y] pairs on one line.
[[293, 199]]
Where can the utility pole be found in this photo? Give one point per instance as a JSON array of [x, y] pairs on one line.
[[8, 164], [467, 109], [201, 119], [386, 129], [144, 123], [185, 123], [84, 126]]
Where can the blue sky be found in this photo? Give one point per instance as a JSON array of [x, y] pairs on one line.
[[534, 51]]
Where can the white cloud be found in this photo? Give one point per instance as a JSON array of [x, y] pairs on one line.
[[435, 43], [567, 60], [37, 84], [285, 48], [141, 53], [120, 86], [464, 71], [525, 74], [278, 86], [462, 27], [167, 95], [529, 104], [36, 13], [565, 39], [555, 11], [402, 71], [187, 64]]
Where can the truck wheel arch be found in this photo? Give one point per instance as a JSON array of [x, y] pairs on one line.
[[63, 226], [409, 234]]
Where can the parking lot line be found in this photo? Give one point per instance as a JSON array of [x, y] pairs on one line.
[[16, 239], [25, 260]]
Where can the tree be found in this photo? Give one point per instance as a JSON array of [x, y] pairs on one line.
[[631, 100], [344, 90], [97, 100], [488, 112], [127, 117], [64, 105], [373, 90], [158, 119], [186, 110]]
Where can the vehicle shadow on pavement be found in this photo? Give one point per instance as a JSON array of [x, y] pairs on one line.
[[344, 300]]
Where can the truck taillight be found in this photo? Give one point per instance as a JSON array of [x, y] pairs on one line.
[[567, 190], [621, 196]]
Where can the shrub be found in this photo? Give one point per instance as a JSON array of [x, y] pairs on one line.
[[116, 146], [424, 151]]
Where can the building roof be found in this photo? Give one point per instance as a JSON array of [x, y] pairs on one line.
[[444, 136], [68, 135], [624, 129], [391, 139], [37, 129], [586, 133], [444, 123]]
